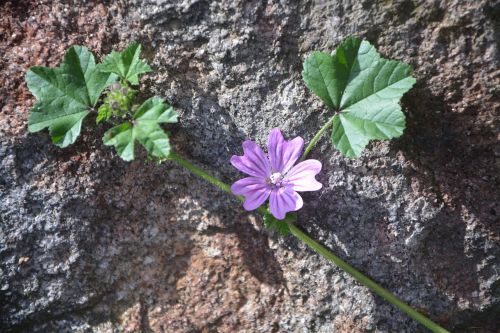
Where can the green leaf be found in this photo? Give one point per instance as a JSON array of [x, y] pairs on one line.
[[145, 129], [126, 63], [364, 88], [65, 94], [271, 223], [319, 77]]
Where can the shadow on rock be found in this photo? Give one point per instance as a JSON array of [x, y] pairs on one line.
[[453, 152], [99, 243]]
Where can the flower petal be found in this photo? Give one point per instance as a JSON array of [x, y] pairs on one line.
[[274, 148], [301, 177], [254, 189], [284, 200], [291, 153], [283, 154], [253, 162]]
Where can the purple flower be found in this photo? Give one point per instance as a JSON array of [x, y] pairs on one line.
[[273, 175]]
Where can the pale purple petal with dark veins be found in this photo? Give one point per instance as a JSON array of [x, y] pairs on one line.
[[275, 147], [283, 154], [284, 200], [291, 153], [301, 177], [254, 189], [253, 162]]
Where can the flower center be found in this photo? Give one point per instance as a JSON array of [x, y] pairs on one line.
[[276, 179]]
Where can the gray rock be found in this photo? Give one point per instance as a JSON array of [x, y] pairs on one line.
[[90, 243]]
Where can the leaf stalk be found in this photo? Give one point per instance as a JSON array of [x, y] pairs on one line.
[[316, 138]]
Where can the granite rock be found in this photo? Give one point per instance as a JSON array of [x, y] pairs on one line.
[[89, 243]]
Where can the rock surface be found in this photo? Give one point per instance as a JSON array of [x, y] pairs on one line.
[[89, 243]]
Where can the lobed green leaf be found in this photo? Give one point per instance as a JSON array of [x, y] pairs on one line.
[[65, 94], [126, 64], [145, 129], [364, 88]]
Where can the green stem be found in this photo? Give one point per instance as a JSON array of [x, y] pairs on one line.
[[316, 138], [320, 249], [199, 172], [363, 279]]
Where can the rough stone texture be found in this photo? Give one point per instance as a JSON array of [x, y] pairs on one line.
[[89, 243]]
